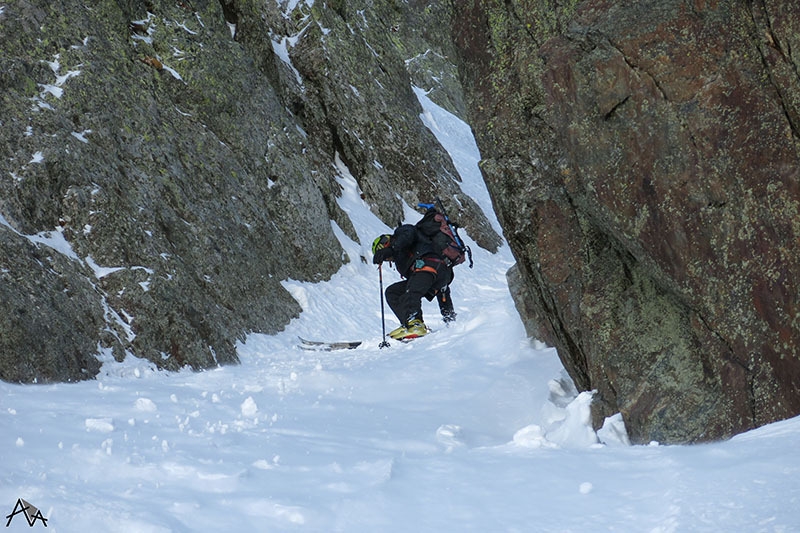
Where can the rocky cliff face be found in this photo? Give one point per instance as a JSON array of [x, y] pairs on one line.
[[166, 164], [643, 158]]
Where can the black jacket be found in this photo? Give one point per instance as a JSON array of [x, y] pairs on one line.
[[408, 245]]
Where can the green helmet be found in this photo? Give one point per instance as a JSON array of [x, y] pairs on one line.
[[380, 243]]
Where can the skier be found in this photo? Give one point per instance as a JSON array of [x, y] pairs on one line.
[[425, 272]]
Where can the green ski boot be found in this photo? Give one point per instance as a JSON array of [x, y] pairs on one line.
[[415, 328]]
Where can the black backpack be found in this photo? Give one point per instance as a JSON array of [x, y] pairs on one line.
[[436, 228]]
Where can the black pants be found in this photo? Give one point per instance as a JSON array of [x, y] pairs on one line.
[[405, 297]]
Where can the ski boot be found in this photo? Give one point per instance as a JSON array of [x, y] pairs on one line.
[[415, 328]]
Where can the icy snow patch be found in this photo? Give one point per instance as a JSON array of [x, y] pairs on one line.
[[172, 71], [56, 241], [101, 272], [281, 49], [81, 136]]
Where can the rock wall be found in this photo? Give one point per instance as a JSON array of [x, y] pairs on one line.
[[643, 159], [164, 165]]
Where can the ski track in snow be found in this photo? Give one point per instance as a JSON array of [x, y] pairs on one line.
[[472, 428]]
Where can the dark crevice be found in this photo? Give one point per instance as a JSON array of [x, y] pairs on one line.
[[751, 394], [769, 39], [229, 11], [613, 110], [525, 28]]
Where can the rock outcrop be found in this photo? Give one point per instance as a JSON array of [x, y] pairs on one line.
[[643, 159], [164, 165]]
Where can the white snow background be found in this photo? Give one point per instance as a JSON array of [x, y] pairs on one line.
[[472, 428]]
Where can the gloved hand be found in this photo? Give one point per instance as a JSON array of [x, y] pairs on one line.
[[382, 255]]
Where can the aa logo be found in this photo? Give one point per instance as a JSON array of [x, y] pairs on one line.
[[31, 513]]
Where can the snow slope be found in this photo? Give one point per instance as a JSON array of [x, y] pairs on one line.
[[472, 428]]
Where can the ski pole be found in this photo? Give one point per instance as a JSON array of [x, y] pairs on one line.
[[384, 343]]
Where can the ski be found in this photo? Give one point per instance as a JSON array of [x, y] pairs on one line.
[[326, 346]]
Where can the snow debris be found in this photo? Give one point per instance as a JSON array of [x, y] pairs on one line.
[[450, 436], [613, 432], [99, 425], [249, 408], [145, 405], [532, 436]]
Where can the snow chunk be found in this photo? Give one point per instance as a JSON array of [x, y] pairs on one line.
[[532, 436], [450, 436], [263, 464], [576, 430], [99, 425], [145, 405], [613, 431], [249, 407]]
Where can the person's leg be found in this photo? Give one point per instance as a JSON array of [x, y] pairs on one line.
[[446, 304], [411, 301], [394, 295]]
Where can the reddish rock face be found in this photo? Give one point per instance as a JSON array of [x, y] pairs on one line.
[[644, 164]]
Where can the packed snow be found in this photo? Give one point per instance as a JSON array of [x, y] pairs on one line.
[[474, 427]]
